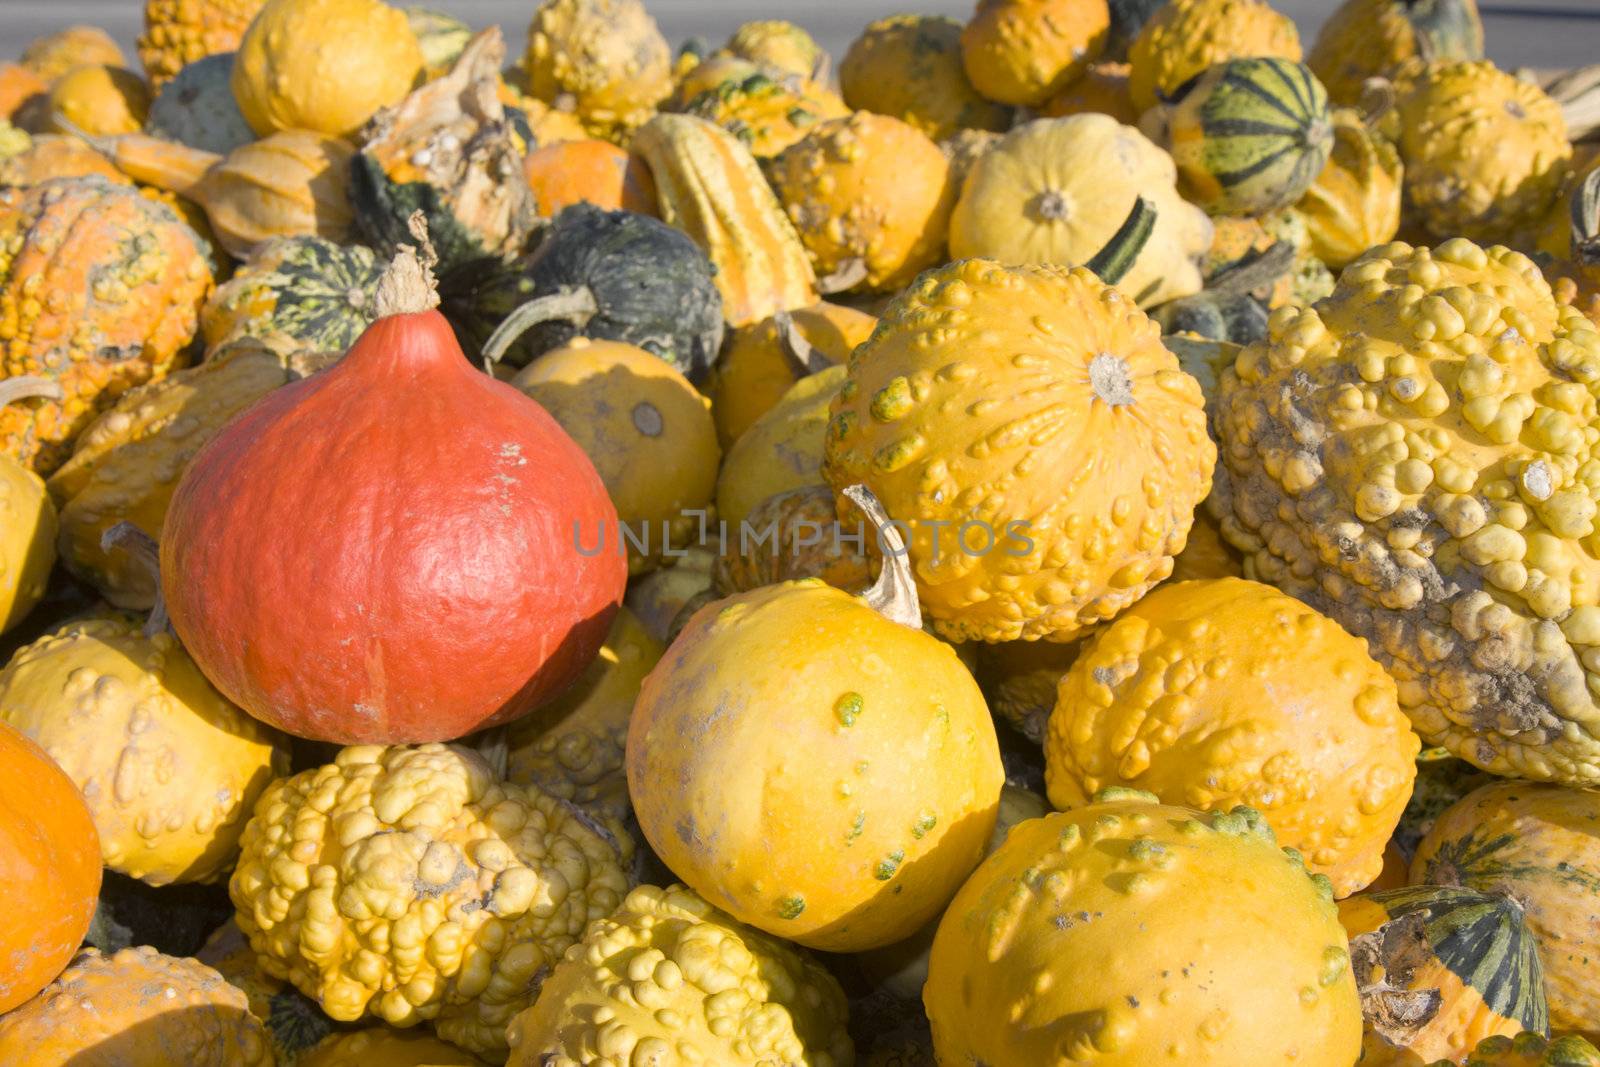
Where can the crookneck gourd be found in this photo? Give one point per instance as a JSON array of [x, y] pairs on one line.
[[421, 846], [1113, 930], [126, 278], [1408, 457], [864, 693], [982, 410]]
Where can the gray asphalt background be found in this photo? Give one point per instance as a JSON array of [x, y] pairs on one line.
[[1549, 34]]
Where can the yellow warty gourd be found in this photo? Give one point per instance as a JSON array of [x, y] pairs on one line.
[[100, 100], [1024, 52], [605, 58], [670, 978], [1044, 447], [1411, 456], [909, 67], [1184, 37], [170, 770], [1158, 698], [406, 883], [1056, 190], [178, 32], [323, 65]]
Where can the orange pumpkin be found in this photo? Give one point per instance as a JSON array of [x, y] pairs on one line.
[[49, 868], [1103, 88], [564, 173]]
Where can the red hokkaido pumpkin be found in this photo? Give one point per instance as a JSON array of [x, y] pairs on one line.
[[384, 552]]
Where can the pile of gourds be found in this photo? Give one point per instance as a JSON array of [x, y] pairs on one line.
[[1070, 538]]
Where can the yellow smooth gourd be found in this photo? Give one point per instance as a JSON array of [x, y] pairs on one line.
[[1127, 933], [27, 541], [909, 67], [170, 770], [1024, 52], [1056, 190], [99, 100], [1163, 699], [645, 428], [781, 450], [323, 65]]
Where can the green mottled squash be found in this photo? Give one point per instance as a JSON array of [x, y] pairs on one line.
[[1539, 844], [1439, 970], [296, 293], [606, 275], [1249, 135], [1530, 1050]]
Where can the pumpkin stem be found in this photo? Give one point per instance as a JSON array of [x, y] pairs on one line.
[[803, 357], [142, 547], [1113, 262], [894, 594], [1586, 221], [27, 387], [576, 306], [1257, 271], [408, 285], [849, 274]]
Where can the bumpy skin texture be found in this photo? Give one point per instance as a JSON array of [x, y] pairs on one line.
[[1000, 395], [1185, 37], [28, 525], [782, 450], [607, 56], [127, 464], [1023, 52], [909, 67], [1365, 39], [753, 373], [1411, 457], [780, 45], [572, 747], [323, 65], [49, 868], [766, 114], [136, 1008], [1168, 699], [197, 108], [1531, 1050], [1056, 190], [1354, 204], [1486, 153], [178, 32], [801, 544], [170, 770], [645, 428], [408, 885], [816, 832], [445, 509], [710, 186], [1439, 970], [52, 155], [287, 185], [1537, 843], [99, 100], [383, 1047], [669, 979], [1115, 935], [100, 289], [869, 188], [296, 293]]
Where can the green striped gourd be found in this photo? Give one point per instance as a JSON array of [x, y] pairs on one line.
[[1250, 135]]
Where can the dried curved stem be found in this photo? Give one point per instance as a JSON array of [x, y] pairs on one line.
[[577, 306], [142, 547], [894, 594], [29, 387], [408, 285], [851, 273], [803, 357], [1377, 100], [1586, 221]]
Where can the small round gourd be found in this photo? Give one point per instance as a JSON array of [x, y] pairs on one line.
[[1115, 933], [55, 54], [99, 100], [1055, 191], [780, 45], [1249, 136], [1439, 970], [1540, 845], [987, 401], [135, 1008], [50, 858], [869, 192], [850, 828], [1354, 204], [1185, 37], [781, 450], [197, 108], [592, 171], [1103, 88], [295, 294], [909, 67], [656, 979], [1023, 52], [792, 535], [1486, 153], [1330, 760], [1366, 39], [645, 428], [323, 65], [1530, 1050], [768, 114], [608, 56], [169, 768]]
